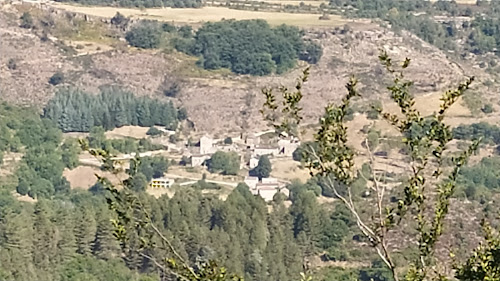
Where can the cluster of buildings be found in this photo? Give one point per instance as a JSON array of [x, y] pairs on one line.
[[249, 148]]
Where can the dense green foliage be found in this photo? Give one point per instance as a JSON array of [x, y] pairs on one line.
[[249, 47], [141, 3], [484, 174], [71, 238], [40, 170], [74, 111], [263, 169], [151, 167], [488, 132], [226, 163], [97, 140], [146, 35]]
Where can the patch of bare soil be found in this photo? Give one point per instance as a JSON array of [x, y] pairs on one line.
[[84, 176], [23, 198], [135, 132]]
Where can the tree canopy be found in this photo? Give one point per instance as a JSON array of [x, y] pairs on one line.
[[249, 47], [75, 111]]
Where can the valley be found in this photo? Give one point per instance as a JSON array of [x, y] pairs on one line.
[[158, 116]]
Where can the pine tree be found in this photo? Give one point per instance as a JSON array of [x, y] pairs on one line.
[[104, 245], [16, 245], [66, 241], [44, 244], [143, 114], [85, 230]]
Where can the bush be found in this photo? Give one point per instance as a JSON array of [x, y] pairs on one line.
[[153, 132], [167, 27], [119, 20], [146, 35], [182, 114], [11, 64], [57, 78], [228, 140], [27, 21], [312, 52], [373, 110], [487, 108], [226, 163]]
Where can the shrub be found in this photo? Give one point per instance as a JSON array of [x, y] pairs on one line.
[[11, 64], [57, 78], [27, 21], [119, 20], [153, 132], [228, 140], [224, 163], [487, 108], [146, 35]]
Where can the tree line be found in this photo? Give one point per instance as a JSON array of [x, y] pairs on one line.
[[76, 111], [141, 3]]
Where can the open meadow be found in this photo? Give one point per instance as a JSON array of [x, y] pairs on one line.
[[191, 15]]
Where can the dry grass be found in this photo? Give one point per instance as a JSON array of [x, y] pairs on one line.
[[127, 132], [84, 176], [289, 169], [205, 14]]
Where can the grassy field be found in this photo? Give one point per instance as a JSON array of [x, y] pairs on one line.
[[205, 14]]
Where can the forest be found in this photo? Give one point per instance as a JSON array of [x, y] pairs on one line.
[[75, 111]]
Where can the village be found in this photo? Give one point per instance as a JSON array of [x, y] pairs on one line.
[[249, 148]]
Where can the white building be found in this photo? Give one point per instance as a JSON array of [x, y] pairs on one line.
[[161, 183], [288, 146], [198, 160], [207, 145], [251, 182], [269, 180], [254, 162], [265, 150], [252, 140], [267, 190]]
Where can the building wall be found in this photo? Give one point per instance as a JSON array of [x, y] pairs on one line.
[[252, 183], [267, 194], [198, 160], [265, 151], [206, 145]]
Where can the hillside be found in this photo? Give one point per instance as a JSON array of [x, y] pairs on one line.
[[348, 50]]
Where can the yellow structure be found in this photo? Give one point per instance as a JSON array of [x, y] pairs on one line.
[[161, 183]]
